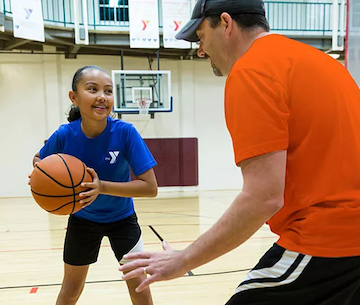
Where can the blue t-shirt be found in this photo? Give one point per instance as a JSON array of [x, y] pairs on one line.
[[110, 154]]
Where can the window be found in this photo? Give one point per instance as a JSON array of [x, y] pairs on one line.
[[114, 10]]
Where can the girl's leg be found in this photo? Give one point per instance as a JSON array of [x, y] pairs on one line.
[[125, 237], [72, 285], [81, 248], [139, 298]]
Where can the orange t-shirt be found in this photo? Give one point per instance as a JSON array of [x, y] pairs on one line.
[[286, 95]]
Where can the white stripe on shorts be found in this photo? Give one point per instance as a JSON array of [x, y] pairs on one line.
[[139, 247], [277, 275]]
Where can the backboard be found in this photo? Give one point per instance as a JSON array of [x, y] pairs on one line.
[[132, 86]]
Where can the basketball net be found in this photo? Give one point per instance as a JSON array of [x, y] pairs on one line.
[[143, 105]]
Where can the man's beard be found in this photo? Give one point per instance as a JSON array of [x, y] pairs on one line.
[[216, 70]]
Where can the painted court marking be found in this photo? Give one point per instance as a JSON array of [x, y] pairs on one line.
[[34, 290]]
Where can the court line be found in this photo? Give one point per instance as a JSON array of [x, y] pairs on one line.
[[179, 214], [118, 280], [142, 225], [104, 246], [61, 230], [107, 246]]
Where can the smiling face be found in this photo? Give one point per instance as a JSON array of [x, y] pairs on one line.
[[213, 47], [93, 95], [223, 41]]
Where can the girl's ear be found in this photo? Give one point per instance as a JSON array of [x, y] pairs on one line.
[[72, 97]]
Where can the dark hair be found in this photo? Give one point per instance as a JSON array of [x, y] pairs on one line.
[[74, 112], [244, 21]]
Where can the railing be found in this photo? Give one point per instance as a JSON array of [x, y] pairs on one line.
[[300, 16], [294, 18]]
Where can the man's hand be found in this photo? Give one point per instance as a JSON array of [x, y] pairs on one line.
[[160, 266]]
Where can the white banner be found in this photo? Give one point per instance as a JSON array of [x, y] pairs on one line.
[[28, 19], [2, 16], [176, 13], [144, 24], [81, 32]]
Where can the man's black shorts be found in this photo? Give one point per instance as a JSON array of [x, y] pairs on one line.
[[283, 277]]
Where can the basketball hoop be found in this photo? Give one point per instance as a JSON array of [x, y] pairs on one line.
[[143, 105]]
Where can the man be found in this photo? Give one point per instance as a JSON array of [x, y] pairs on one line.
[[293, 113]]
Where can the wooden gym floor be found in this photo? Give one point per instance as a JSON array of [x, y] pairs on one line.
[[31, 266]]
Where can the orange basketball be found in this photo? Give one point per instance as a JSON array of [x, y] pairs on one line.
[[55, 183]]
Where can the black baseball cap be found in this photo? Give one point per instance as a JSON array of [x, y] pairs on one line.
[[206, 8]]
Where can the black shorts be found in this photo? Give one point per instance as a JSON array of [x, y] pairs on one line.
[[284, 277], [83, 239]]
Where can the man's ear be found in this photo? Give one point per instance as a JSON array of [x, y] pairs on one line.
[[227, 22], [72, 97]]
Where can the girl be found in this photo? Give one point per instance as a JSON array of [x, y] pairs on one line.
[[107, 146]]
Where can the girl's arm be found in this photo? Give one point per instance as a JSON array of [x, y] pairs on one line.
[[145, 185]]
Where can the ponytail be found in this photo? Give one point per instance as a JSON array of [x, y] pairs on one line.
[[74, 114]]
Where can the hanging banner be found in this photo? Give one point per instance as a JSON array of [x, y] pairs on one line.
[[28, 19], [176, 13], [2, 16], [144, 24], [81, 31]]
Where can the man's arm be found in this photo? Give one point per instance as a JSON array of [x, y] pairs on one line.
[[261, 198]]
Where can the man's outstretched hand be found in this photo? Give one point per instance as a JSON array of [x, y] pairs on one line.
[[160, 266]]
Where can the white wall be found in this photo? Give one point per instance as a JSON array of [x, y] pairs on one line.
[[34, 102], [23, 120]]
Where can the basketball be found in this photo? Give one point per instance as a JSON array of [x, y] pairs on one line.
[[55, 183]]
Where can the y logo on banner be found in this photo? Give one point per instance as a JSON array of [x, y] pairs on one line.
[[177, 25], [145, 24], [28, 12]]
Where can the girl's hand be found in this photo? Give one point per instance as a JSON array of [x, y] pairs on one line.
[[94, 189], [29, 175]]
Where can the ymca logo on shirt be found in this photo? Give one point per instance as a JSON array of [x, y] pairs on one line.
[[113, 156]]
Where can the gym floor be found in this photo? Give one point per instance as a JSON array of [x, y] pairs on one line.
[[31, 266]]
